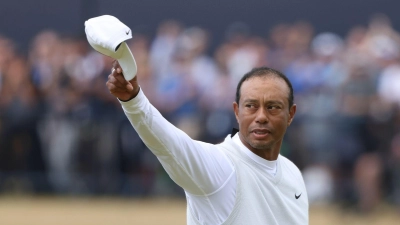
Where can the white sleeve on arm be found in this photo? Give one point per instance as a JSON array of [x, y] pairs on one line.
[[199, 168]]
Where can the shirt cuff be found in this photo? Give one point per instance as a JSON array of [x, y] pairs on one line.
[[136, 104]]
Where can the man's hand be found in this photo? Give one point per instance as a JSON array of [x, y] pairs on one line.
[[119, 87]]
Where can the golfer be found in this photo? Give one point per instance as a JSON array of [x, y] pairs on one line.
[[243, 180]]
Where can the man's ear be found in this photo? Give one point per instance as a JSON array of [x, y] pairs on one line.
[[236, 111], [292, 112]]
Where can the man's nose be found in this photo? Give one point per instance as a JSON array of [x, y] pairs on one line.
[[262, 115]]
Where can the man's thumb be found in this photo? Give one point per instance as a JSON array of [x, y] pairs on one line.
[[129, 87]]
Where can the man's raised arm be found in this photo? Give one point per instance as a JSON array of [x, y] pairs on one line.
[[198, 167]]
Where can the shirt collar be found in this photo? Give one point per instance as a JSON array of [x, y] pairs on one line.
[[270, 165]]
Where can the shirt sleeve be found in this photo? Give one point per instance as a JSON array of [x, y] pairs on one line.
[[199, 168]]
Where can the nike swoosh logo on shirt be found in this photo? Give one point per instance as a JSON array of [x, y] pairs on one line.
[[297, 196]]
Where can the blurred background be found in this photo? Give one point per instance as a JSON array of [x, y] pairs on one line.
[[64, 140]]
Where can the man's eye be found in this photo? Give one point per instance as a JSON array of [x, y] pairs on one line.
[[250, 106], [273, 107]]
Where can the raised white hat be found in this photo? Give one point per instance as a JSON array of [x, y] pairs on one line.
[[107, 35]]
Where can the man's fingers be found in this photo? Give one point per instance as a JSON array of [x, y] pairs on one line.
[[116, 67], [115, 89], [120, 77], [129, 86], [117, 79], [111, 87], [117, 74], [112, 79], [120, 82], [115, 64]]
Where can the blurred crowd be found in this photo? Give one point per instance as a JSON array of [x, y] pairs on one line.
[[62, 132]]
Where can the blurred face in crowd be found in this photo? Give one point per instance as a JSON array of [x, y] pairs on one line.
[[263, 114]]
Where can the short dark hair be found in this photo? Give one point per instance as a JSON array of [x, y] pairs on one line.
[[261, 72]]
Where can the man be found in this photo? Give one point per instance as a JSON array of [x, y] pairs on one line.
[[243, 180]]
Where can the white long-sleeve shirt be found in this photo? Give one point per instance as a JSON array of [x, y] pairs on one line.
[[201, 169]]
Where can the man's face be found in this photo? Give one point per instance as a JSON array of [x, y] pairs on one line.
[[263, 113]]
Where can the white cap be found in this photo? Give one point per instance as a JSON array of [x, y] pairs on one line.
[[107, 35]]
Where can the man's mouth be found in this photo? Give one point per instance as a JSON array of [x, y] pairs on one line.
[[260, 133]]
